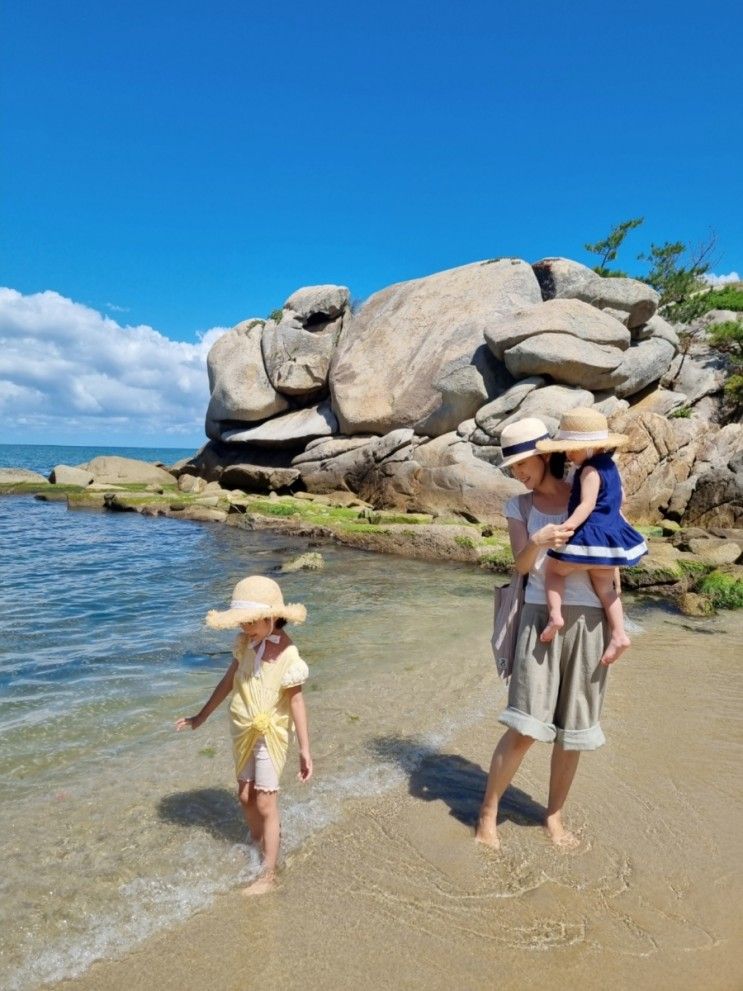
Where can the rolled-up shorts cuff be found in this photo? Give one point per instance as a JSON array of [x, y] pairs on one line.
[[527, 725], [590, 738]]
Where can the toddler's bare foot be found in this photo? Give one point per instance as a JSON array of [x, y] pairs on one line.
[[561, 837], [486, 832], [261, 886], [551, 630], [617, 645]]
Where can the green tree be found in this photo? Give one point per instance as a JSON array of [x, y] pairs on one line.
[[677, 274], [608, 248]]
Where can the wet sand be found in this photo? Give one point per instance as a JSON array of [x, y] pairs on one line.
[[396, 894]]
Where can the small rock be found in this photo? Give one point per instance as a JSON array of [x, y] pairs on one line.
[[693, 604], [669, 527], [65, 475], [305, 562], [191, 483]]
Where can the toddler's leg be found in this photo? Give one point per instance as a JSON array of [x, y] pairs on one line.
[[246, 795], [554, 583], [602, 580], [267, 804]]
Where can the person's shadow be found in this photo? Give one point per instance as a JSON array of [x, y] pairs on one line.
[[212, 809], [454, 780]]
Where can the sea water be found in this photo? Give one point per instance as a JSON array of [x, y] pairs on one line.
[[112, 825]]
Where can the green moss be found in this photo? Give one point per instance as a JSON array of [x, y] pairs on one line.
[[724, 591], [682, 413], [276, 315], [273, 508], [207, 752], [463, 541], [695, 569]]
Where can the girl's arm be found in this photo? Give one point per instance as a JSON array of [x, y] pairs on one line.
[[216, 698], [299, 716], [525, 548], [590, 483]]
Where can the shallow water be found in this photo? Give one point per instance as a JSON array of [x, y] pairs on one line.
[[112, 825]]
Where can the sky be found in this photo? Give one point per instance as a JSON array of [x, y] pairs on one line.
[[169, 169]]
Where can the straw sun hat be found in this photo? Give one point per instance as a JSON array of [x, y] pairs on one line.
[[253, 599], [518, 441], [582, 428]]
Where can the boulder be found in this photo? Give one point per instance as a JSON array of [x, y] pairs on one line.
[[560, 317], [717, 499], [548, 404], [297, 356], [567, 359], [16, 476], [312, 561], [660, 401], [561, 278], [289, 430], [319, 303], [492, 413], [656, 327], [699, 372], [111, 469], [715, 550], [650, 472], [240, 387], [192, 483], [463, 389], [409, 337], [322, 449], [608, 404], [65, 475], [259, 478], [645, 362]]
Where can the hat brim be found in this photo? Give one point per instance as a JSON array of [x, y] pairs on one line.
[[611, 440], [521, 456], [230, 619]]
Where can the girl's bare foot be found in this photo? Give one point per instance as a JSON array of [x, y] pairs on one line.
[[262, 885], [561, 837], [486, 832], [617, 645], [551, 630]]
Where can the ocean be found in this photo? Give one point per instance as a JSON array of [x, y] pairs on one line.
[[43, 457], [112, 826]]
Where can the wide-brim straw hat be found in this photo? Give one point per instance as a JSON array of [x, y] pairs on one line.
[[582, 428], [518, 441], [255, 598]]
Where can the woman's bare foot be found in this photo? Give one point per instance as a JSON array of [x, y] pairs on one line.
[[262, 885], [617, 645], [561, 837], [551, 630], [486, 832]]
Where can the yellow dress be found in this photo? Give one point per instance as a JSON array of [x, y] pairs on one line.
[[260, 703]]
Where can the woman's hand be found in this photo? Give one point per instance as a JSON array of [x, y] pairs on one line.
[[189, 722], [552, 535], [305, 766]]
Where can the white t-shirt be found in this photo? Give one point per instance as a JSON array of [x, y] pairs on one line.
[[578, 588]]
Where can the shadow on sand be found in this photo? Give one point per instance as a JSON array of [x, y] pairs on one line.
[[214, 809], [452, 779]]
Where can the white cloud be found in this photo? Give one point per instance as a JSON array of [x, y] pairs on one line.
[[721, 280], [66, 369]]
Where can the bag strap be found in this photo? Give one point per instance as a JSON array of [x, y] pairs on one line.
[[525, 502]]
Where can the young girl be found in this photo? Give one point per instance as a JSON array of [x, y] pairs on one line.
[[603, 540], [265, 679]]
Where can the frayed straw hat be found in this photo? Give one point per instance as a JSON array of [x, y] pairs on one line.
[[518, 441], [582, 428], [255, 598]]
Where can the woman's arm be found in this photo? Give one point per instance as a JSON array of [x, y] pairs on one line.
[[590, 483], [216, 698], [525, 548], [299, 716]]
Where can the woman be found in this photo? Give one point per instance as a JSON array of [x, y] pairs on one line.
[[556, 688]]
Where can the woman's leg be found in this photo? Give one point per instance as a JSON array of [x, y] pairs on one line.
[[563, 766], [602, 580], [507, 757], [554, 584]]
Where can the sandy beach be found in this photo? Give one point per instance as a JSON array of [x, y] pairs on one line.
[[396, 894]]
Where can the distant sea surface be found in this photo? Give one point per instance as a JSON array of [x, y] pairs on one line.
[[43, 457]]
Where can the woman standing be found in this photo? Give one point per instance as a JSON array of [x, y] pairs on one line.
[[556, 688]]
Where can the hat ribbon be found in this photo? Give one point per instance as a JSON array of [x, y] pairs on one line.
[[526, 445], [248, 604], [582, 435], [260, 648]]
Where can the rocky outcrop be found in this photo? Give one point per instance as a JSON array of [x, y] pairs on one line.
[[66, 475], [288, 430], [21, 476], [114, 470]]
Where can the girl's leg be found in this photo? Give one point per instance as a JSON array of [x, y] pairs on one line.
[[246, 795], [602, 580], [554, 583], [267, 804], [563, 766], [507, 757]]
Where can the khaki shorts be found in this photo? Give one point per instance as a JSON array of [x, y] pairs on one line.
[[259, 769], [557, 689]]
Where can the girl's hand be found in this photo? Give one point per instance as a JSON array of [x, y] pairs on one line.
[[553, 535], [188, 722], [305, 767]]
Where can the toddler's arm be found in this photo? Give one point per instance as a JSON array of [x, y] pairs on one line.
[[590, 483], [216, 698], [299, 716]]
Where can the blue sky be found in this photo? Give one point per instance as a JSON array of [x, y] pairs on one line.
[[186, 165]]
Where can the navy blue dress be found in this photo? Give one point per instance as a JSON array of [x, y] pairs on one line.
[[605, 539]]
